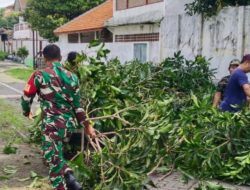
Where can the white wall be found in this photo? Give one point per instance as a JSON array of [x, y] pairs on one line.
[[173, 7], [28, 44], [22, 34], [122, 50], [143, 14], [135, 29], [222, 37]]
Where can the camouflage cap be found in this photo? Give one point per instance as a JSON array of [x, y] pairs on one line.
[[234, 62]]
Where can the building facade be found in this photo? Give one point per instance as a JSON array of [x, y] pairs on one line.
[[79, 32], [127, 28], [151, 30], [136, 29], [24, 36]]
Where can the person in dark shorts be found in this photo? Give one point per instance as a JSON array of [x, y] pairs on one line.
[[222, 84], [238, 88]]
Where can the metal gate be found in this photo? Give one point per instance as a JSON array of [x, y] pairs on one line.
[[39, 62]]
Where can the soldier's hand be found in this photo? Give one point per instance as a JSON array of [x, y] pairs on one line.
[[89, 130], [30, 116]]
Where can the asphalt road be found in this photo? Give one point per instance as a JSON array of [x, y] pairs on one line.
[[11, 89]]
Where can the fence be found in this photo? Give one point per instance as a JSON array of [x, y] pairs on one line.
[[222, 37]]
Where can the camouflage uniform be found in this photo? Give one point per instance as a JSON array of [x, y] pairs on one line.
[[222, 84], [58, 92]]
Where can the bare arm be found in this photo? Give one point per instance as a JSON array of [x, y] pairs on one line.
[[217, 99], [246, 88]]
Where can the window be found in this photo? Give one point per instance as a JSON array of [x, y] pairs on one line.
[[105, 36], [16, 27], [136, 3], [87, 37], [26, 27], [73, 38], [125, 4], [98, 35], [21, 26], [154, 1], [140, 52], [121, 4]]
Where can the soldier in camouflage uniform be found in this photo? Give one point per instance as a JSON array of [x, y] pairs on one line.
[[58, 92], [221, 87]]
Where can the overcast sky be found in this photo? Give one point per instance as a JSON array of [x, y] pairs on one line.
[[4, 3]]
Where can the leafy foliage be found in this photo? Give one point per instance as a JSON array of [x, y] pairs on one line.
[[146, 136], [212, 7], [154, 119], [46, 15], [8, 21], [3, 55], [210, 186], [9, 149], [22, 53]]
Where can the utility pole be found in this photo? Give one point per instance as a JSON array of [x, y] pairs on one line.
[[34, 54]]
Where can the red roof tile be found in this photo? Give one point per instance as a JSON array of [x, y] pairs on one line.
[[94, 19]]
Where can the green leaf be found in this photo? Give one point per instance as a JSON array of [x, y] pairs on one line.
[[94, 43], [33, 174]]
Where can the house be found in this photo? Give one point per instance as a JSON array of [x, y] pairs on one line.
[[20, 5], [130, 29], [136, 28], [21, 30], [76, 34], [151, 30], [24, 36]]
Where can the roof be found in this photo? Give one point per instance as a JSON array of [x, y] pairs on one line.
[[93, 19], [9, 6], [22, 5]]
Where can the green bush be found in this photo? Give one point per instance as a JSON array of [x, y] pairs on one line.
[[156, 119], [154, 97], [3, 55], [22, 53]]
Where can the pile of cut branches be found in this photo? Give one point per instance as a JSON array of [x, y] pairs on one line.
[[155, 119]]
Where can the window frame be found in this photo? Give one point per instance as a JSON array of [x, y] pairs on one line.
[[147, 50], [127, 5], [78, 38]]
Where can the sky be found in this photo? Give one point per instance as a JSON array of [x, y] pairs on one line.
[[4, 3]]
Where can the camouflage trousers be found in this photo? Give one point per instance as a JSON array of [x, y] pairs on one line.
[[52, 146]]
